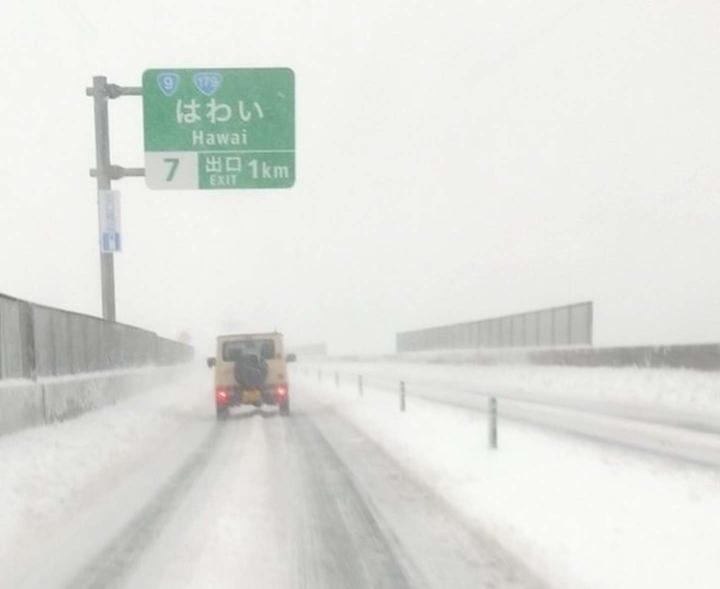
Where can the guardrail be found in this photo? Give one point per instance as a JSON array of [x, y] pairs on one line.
[[660, 436], [402, 391]]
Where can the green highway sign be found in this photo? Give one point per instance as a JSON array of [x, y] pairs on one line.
[[219, 128]]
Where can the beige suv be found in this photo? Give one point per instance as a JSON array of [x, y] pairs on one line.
[[250, 369]]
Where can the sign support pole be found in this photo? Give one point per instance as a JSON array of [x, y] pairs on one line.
[[102, 167], [105, 173]]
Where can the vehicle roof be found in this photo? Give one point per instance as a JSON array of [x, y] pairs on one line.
[[249, 335]]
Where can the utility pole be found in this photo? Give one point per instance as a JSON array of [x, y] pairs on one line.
[[105, 173]]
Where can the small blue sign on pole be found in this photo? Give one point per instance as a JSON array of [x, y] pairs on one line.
[[111, 242], [110, 230]]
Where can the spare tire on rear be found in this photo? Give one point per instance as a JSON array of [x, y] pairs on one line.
[[249, 372]]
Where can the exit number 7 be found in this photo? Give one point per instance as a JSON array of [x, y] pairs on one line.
[[174, 163]]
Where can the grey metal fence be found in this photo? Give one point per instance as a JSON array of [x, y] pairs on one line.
[[13, 339], [557, 326], [43, 341]]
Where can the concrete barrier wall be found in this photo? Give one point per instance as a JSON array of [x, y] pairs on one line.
[[685, 356], [20, 405], [681, 356], [25, 403], [694, 356]]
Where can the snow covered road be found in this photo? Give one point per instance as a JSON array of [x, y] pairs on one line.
[[349, 492], [157, 494]]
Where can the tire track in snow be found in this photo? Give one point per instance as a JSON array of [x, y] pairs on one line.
[[109, 567], [339, 542]]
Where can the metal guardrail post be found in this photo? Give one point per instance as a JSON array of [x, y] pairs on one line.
[[492, 423], [44, 404], [402, 395], [360, 385]]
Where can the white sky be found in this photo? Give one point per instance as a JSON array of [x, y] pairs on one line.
[[456, 160]]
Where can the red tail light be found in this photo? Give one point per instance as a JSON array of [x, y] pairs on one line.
[[281, 391], [222, 395]]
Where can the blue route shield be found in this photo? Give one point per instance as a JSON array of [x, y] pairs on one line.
[[168, 82], [207, 82]]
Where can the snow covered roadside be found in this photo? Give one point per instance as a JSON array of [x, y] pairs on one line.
[[581, 514], [51, 474], [680, 394]]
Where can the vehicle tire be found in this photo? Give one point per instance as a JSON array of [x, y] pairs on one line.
[[222, 413], [284, 408]]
